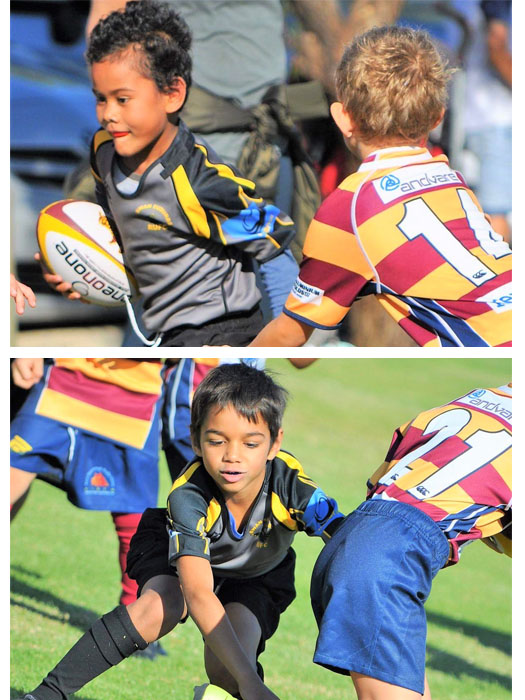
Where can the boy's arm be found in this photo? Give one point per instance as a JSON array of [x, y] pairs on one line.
[[308, 507], [283, 331], [224, 207], [207, 611]]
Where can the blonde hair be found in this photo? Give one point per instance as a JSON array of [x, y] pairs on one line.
[[393, 82]]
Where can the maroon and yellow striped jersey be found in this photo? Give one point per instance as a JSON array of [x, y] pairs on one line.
[[407, 228], [454, 463], [115, 398]]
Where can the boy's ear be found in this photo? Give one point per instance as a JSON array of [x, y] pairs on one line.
[[439, 119], [276, 445], [196, 447], [342, 118], [176, 95]]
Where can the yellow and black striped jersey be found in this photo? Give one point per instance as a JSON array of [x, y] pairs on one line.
[[189, 231], [200, 524]]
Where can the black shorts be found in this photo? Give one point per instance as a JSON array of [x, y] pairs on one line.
[[236, 329], [266, 596]]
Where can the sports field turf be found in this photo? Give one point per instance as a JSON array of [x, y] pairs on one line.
[[339, 423]]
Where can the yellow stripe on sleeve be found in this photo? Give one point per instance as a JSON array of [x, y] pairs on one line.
[[190, 204], [186, 476], [282, 514], [224, 170], [212, 514]]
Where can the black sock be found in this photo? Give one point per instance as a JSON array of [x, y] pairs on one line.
[[109, 640]]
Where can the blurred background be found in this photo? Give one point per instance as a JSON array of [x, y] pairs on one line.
[[53, 119]]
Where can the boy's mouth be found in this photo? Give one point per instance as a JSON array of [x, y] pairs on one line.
[[119, 134], [231, 476]]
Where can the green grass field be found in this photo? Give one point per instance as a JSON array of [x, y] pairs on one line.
[[341, 415]]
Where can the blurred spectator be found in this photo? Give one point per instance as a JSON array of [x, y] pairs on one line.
[[488, 106]]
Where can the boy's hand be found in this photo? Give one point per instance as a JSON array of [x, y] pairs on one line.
[[57, 283], [27, 371], [21, 293]]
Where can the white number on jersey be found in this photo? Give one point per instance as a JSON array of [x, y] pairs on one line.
[[420, 220], [484, 446]]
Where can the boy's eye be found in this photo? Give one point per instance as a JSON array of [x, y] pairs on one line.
[[252, 445], [122, 100], [215, 442]]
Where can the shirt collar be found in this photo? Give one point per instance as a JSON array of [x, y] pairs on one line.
[[397, 157]]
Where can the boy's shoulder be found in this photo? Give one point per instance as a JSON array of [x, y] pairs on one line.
[[385, 178], [100, 137]]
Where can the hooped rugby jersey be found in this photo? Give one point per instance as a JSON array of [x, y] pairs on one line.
[[189, 231], [114, 398], [407, 228], [454, 463], [200, 524]]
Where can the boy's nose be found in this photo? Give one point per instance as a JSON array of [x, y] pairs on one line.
[[231, 454], [109, 114]]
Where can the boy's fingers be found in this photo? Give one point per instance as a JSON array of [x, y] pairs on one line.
[[19, 303], [29, 295]]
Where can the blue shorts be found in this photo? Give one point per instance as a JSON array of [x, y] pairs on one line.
[[96, 473], [369, 586]]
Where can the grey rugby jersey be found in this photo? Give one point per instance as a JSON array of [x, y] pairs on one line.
[[200, 524], [189, 231]]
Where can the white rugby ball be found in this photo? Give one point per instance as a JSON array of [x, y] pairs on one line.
[[77, 243]]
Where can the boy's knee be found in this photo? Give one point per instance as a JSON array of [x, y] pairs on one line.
[[158, 610]]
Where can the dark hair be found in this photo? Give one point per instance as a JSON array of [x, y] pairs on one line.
[[251, 392], [157, 29]]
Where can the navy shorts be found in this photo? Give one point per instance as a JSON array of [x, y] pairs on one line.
[[96, 473], [266, 596], [368, 590]]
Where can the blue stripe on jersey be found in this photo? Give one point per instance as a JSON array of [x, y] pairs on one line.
[[251, 223], [233, 527], [452, 331], [464, 520], [316, 516]]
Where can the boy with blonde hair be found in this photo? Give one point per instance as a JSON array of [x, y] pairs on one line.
[[404, 227]]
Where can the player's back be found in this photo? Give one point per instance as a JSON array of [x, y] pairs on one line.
[[453, 462], [424, 246]]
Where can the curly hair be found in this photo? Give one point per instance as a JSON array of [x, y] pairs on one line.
[[161, 36], [393, 82]]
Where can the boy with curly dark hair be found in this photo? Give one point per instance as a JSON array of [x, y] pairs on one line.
[[188, 225]]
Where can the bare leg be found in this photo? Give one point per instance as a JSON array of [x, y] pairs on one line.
[[248, 631], [368, 688], [160, 607], [19, 488]]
